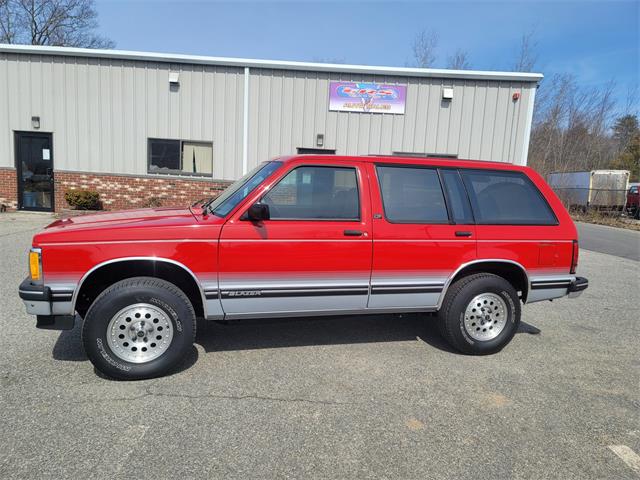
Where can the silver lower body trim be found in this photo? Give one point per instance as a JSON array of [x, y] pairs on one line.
[[37, 308], [549, 287], [323, 313]]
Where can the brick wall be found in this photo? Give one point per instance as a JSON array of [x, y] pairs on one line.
[[119, 192], [8, 188]]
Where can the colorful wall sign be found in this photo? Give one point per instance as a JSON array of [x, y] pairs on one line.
[[367, 97]]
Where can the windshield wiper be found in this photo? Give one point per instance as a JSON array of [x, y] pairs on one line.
[[204, 203]]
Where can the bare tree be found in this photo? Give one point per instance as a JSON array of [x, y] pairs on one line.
[[459, 60], [70, 23], [631, 103], [424, 48], [571, 128], [527, 55]]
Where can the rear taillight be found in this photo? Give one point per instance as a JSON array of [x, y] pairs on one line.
[[574, 256]]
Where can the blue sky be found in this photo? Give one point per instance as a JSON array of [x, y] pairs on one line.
[[597, 41]]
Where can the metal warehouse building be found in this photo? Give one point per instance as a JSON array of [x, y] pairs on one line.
[[148, 128]]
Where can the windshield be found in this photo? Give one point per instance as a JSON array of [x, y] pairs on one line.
[[238, 191]]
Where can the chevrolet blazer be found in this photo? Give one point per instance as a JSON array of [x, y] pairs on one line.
[[468, 241]]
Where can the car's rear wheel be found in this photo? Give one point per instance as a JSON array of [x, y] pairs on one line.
[[139, 328], [480, 314]]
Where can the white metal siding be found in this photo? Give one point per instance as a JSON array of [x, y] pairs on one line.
[[288, 109], [101, 112]]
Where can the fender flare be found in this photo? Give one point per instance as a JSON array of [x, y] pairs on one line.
[[525, 293], [88, 273]]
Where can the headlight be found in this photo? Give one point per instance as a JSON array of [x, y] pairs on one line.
[[35, 264]]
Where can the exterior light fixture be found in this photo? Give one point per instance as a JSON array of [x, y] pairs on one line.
[[35, 122], [320, 140], [174, 79], [447, 93]]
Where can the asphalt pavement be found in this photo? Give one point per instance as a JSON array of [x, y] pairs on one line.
[[614, 241], [361, 397]]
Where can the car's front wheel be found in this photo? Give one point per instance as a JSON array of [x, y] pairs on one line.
[[139, 328], [480, 314]]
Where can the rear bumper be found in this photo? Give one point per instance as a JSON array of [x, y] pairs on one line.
[[579, 285], [50, 308]]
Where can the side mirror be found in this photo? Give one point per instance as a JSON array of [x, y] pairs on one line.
[[258, 212]]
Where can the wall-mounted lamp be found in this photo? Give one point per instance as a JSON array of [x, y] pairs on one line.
[[447, 93], [174, 79], [35, 122], [320, 140]]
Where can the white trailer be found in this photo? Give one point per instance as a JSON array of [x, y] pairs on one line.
[[594, 188]]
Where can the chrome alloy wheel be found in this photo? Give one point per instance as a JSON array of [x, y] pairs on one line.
[[485, 316], [139, 333]]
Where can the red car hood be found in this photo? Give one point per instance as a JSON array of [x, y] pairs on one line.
[[140, 224], [121, 217]]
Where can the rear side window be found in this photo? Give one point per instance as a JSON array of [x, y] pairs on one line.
[[315, 193], [506, 198], [412, 195]]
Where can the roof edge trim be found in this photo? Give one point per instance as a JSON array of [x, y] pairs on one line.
[[270, 64]]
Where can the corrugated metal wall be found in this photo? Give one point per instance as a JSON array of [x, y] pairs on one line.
[[289, 109], [102, 111]]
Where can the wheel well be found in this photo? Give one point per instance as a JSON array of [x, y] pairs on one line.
[[107, 275], [511, 272]]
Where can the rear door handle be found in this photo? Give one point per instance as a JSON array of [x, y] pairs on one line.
[[460, 233], [353, 233]]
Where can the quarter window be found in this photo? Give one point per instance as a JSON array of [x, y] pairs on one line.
[[412, 195], [177, 157], [506, 198], [315, 193]]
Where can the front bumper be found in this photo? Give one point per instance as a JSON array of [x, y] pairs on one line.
[[579, 285], [51, 308]]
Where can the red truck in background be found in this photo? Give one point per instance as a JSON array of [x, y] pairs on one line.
[[633, 201], [309, 235]]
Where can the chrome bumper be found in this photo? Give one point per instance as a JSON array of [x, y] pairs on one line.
[[53, 309]]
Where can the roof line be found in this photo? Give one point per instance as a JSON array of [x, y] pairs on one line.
[[270, 64]]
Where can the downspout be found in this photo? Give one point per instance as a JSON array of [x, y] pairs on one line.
[[245, 123]]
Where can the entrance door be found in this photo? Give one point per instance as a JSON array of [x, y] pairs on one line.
[[34, 164]]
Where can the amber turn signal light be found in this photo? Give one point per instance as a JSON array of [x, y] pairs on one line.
[[34, 265]]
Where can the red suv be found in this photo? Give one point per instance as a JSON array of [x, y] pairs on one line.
[[309, 235]]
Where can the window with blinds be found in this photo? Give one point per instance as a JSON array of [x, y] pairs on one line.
[[180, 157]]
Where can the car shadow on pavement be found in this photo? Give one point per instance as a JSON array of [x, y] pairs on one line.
[[293, 332], [68, 348], [311, 331]]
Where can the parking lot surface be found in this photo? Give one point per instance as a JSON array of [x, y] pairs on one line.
[[614, 241], [360, 397]]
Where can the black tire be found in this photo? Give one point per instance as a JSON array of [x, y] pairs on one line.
[[162, 295], [451, 317]]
